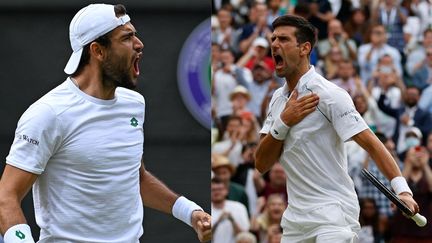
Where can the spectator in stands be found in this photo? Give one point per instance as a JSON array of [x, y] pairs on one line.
[[386, 79], [425, 102], [230, 144], [371, 230], [413, 138], [331, 62], [369, 54], [239, 98], [216, 63], [257, 53], [422, 10], [417, 57], [422, 72], [337, 37], [345, 77], [418, 173], [250, 128], [246, 237], [275, 10], [256, 28], [223, 169], [393, 17], [224, 35], [274, 233], [341, 9], [263, 85], [276, 182], [407, 116], [248, 177], [229, 218], [224, 82], [272, 214], [357, 27], [320, 14], [367, 106]]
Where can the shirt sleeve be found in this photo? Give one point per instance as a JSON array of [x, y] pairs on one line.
[[345, 119], [37, 137]]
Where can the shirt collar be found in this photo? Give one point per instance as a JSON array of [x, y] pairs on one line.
[[309, 75]]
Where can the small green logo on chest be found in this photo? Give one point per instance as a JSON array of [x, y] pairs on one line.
[[20, 234], [134, 122]]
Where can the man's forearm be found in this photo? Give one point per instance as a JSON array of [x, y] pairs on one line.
[[378, 152], [155, 194], [10, 213], [267, 153]]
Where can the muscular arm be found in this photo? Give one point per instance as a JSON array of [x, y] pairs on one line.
[[157, 195], [14, 185], [267, 152], [154, 193], [383, 159]]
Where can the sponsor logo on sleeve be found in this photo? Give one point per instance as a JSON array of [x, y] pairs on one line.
[[351, 113], [28, 139]]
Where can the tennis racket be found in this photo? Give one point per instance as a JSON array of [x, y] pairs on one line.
[[418, 218]]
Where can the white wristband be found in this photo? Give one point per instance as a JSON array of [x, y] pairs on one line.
[[19, 233], [183, 209], [279, 129], [399, 185]]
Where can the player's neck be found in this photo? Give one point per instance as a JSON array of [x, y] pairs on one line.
[[293, 78], [90, 82]]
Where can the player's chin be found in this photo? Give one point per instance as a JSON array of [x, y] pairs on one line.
[[280, 72]]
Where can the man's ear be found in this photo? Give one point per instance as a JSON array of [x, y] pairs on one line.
[[97, 51], [305, 49]]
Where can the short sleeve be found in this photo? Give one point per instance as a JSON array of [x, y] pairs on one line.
[[345, 119], [37, 137]]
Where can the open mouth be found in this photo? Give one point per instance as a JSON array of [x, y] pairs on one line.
[[278, 59], [136, 64]]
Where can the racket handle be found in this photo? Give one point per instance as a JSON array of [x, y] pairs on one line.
[[419, 219]]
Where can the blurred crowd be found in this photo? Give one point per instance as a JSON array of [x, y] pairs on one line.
[[379, 51]]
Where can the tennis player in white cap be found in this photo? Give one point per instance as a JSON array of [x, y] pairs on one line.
[[309, 120], [80, 146]]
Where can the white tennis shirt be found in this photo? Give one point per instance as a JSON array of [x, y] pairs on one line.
[[313, 154], [87, 153]]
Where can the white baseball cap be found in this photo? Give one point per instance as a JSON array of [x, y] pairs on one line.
[[260, 41], [89, 24]]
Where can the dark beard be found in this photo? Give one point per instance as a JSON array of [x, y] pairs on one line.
[[115, 73]]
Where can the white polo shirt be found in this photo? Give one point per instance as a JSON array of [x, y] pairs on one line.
[[313, 154], [87, 154]]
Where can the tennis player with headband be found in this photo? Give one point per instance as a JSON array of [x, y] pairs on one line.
[[80, 146]]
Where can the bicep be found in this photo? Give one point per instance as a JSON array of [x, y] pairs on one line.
[[16, 181]]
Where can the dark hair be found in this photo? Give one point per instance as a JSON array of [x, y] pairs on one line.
[[233, 118], [412, 86], [103, 40], [305, 31], [427, 31]]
